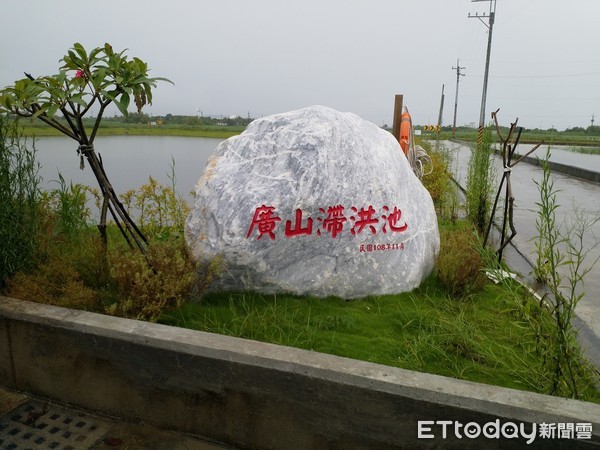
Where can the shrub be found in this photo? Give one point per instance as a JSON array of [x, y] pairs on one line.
[[148, 287], [68, 204], [55, 282], [159, 209], [459, 265], [437, 181], [19, 201], [74, 268]]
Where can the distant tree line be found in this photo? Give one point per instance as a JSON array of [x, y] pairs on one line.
[[591, 130], [171, 119]]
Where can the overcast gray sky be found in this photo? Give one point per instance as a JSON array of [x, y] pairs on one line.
[[234, 57]]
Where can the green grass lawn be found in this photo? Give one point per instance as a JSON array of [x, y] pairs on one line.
[[479, 339]]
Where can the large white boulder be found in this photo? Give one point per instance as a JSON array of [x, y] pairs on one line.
[[314, 202]]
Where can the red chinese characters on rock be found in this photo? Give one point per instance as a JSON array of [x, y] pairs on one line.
[[331, 221], [334, 222], [264, 221], [393, 219], [363, 219], [297, 230]]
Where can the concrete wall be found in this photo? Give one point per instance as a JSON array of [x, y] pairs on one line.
[[577, 172], [251, 394]]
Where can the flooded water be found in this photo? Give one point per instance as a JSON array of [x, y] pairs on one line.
[[128, 160], [574, 197], [569, 155]]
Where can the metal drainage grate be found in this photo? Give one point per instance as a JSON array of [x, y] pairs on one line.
[[36, 425]]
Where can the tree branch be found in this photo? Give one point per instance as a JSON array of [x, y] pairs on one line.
[[82, 130], [73, 134], [495, 117], [67, 117], [527, 154], [103, 106], [87, 108], [52, 122], [512, 129]]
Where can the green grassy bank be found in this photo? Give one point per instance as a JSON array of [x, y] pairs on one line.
[[120, 129], [567, 138]]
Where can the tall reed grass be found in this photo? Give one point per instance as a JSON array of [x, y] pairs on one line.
[[562, 263], [19, 200], [480, 179]]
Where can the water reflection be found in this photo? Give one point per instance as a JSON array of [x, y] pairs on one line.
[[128, 160]]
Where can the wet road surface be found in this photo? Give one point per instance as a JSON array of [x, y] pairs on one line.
[[574, 197]]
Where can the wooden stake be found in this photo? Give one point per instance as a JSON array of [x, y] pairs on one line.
[[397, 116]]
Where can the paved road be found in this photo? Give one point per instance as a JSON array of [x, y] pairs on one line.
[[573, 195]]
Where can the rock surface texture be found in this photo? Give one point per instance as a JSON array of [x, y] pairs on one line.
[[314, 202]]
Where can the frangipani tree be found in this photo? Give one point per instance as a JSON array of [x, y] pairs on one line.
[[85, 80]]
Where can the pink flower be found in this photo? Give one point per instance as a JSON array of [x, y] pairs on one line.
[[79, 74]]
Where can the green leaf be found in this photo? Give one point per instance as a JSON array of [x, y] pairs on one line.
[[123, 103], [95, 52], [111, 95], [140, 65], [6, 101], [148, 91], [78, 98], [73, 62], [81, 52], [39, 112], [162, 79], [51, 111], [125, 99], [61, 77], [98, 78]]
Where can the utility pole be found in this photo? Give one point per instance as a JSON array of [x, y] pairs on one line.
[[490, 27], [458, 75], [592, 119], [439, 122]]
